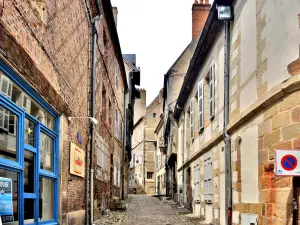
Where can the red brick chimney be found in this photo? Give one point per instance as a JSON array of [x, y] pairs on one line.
[[200, 12]]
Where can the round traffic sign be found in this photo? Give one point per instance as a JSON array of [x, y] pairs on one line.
[[289, 162]]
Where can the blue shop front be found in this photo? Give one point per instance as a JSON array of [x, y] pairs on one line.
[[29, 150]]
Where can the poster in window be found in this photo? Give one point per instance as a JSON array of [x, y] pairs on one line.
[[6, 204], [77, 164]]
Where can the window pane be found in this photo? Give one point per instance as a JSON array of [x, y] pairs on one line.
[[8, 134], [29, 133], [9, 197], [46, 152], [18, 96], [46, 199], [29, 210], [28, 172]]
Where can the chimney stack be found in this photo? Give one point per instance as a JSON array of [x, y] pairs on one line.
[[200, 11]]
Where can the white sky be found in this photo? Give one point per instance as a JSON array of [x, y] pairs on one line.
[[157, 31]]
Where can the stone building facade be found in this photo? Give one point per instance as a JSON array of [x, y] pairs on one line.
[[173, 81], [144, 149], [264, 102], [45, 55]]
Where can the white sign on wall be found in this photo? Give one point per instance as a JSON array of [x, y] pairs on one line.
[[287, 162]]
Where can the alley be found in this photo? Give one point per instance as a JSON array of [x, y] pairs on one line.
[[144, 210]]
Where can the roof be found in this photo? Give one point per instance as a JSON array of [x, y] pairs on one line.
[[130, 65], [207, 38], [111, 26], [138, 122]]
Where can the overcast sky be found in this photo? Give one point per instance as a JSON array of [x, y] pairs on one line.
[[157, 31]]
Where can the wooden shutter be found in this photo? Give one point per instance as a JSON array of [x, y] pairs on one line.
[[192, 118], [200, 106], [212, 91], [4, 118], [208, 178], [6, 87], [116, 124], [26, 102]]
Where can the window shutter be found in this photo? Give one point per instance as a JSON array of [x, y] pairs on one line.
[[192, 117], [200, 106], [212, 91], [116, 124], [6, 87], [3, 118]]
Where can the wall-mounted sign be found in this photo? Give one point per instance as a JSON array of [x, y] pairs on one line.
[[6, 204], [287, 162], [77, 163]]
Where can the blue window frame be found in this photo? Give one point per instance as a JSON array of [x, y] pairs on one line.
[[34, 165]]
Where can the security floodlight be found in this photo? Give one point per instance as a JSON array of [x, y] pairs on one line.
[[224, 12], [93, 120]]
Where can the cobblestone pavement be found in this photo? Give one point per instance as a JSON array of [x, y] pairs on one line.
[[148, 210]]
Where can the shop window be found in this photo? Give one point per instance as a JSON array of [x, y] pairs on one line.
[[14, 93], [46, 203], [29, 210], [29, 172], [9, 182], [39, 180], [8, 135], [29, 133], [46, 152]]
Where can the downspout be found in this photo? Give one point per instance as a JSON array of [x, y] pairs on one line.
[[87, 212], [124, 144], [144, 163], [227, 139], [183, 141], [92, 114]]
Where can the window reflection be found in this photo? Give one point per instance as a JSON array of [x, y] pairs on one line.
[[8, 134], [29, 133], [46, 152], [29, 211], [28, 172], [46, 199], [9, 197], [9, 89]]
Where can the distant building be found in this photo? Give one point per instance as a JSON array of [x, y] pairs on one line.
[[142, 173], [173, 81]]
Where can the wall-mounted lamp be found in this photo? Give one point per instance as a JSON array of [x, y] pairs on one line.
[[93, 120], [224, 12]]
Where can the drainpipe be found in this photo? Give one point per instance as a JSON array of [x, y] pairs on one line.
[[228, 178], [92, 114], [144, 157], [183, 141], [124, 144]]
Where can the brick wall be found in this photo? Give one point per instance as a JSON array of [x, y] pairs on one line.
[[48, 46]]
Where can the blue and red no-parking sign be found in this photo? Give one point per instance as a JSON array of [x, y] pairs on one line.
[[286, 162], [289, 162]]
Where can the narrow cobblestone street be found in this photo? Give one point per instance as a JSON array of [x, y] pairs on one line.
[[146, 210]]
